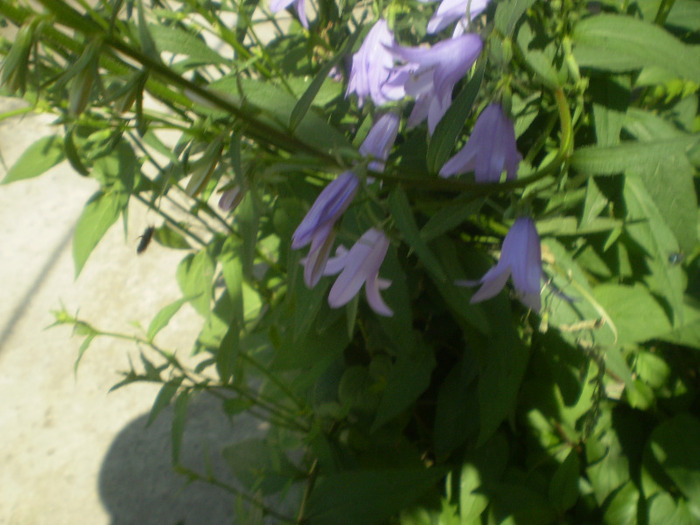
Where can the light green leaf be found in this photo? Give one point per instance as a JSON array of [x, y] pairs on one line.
[[367, 496], [647, 228], [633, 156], [195, 274], [99, 214], [175, 40], [164, 316], [36, 159], [508, 13], [623, 43], [623, 507]]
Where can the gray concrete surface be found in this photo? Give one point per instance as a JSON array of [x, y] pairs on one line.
[[70, 452]]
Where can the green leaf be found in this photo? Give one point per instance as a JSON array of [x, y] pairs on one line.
[[164, 316], [99, 214], [145, 38], [175, 40], [195, 274], [259, 465], [632, 156], [367, 496], [457, 404], [410, 376], [675, 446], [508, 13], [36, 159], [402, 214], [168, 237], [648, 229], [637, 315], [449, 127], [165, 394], [563, 488], [118, 169], [481, 468], [623, 507], [302, 106], [177, 430], [227, 353], [622, 43]]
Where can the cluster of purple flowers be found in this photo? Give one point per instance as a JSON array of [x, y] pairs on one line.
[[385, 72]]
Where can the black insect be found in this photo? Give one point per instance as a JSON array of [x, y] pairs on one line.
[[145, 239]]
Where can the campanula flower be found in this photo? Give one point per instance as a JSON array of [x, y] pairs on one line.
[[491, 148], [521, 257], [380, 139], [316, 227], [373, 65], [450, 10], [231, 198], [278, 5], [358, 266], [430, 74]]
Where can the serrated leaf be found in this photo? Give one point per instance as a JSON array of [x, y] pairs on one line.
[[36, 159], [175, 40], [99, 214], [622, 43], [613, 160]]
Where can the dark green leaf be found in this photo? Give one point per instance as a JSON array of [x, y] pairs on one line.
[[409, 378], [177, 431], [165, 394], [367, 496], [259, 465], [563, 488], [402, 214]]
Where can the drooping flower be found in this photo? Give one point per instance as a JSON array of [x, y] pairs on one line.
[[231, 198], [278, 5], [317, 226], [491, 148], [450, 10], [380, 139], [372, 66], [521, 257], [430, 75], [358, 266]]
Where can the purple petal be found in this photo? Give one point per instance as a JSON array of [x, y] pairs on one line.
[[328, 207], [451, 10], [493, 282], [362, 262], [380, 139], [374, 298], [527, 267], [315, 263]]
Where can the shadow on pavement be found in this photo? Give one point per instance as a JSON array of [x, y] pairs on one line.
[[138, 485]]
